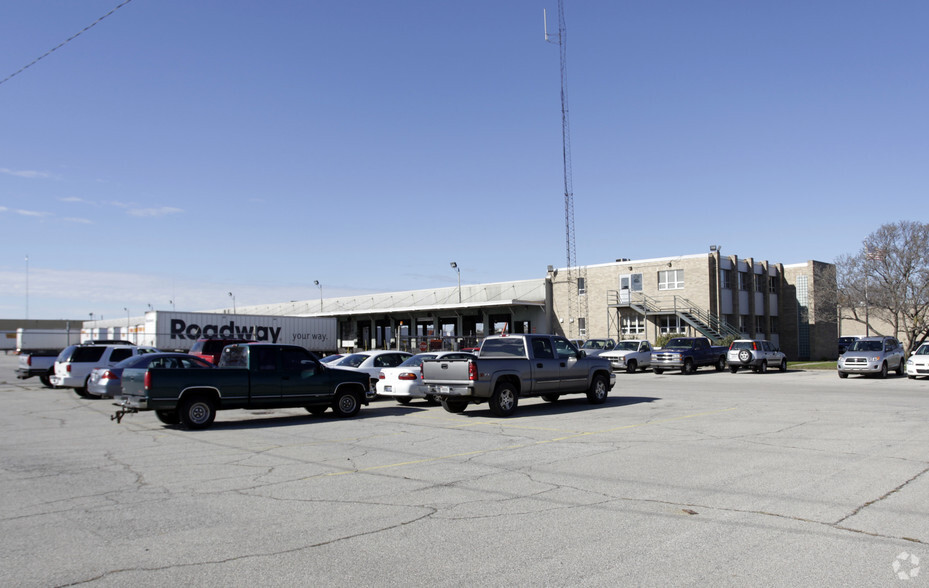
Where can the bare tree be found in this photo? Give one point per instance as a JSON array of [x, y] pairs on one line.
[[888, 280]]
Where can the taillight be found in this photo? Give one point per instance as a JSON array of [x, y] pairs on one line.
[[68, 368], [472, 370], [29, 360], [381, 376], [108, 375], [148, 380], [405, 376], [754, 346]]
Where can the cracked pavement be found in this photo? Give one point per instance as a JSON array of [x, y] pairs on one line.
[[715, 478]]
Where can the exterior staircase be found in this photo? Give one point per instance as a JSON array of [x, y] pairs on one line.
[[703, 321]]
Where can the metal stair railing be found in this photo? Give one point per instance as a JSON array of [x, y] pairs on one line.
[[702, 320]]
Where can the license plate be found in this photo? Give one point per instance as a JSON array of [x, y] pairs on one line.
[[444, 389], [388, 388]]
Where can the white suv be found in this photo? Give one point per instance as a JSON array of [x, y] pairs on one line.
[[74, 364], [757, 354]]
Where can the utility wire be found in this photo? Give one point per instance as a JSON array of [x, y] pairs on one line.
[[62, 44]]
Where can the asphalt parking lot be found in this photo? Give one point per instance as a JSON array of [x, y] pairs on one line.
[[721, 479]]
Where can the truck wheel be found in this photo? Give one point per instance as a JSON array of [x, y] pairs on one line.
[[197, 412], [721, 364], [599, 388], [504, 399], [46, 381], [346, 404], [550, 397], [431, 400], [657, 370], [454, 406], [783, 366], [688, 367], [168, 417], [843, 375], [884, 370], [317, 409], [404, 400], [733, 368], [630, 367]]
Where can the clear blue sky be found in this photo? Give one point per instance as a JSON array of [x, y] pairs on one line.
[[182, 150]]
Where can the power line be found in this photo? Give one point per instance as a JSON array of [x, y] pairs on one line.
[[62, 44]]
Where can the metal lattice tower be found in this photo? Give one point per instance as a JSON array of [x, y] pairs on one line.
[[577, 305]]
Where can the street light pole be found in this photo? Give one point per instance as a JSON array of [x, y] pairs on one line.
[[320, 286], [233, 302], [457, 269], [27, 287], [127, 321]]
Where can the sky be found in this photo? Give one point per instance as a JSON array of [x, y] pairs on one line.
[[177, 152]]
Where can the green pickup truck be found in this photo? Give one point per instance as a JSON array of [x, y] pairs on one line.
[[249, 375]]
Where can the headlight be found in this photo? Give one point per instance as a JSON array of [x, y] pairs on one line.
[[909, 361]]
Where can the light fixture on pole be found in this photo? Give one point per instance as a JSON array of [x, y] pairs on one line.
[[127, 320], [457, 269], [233, 302], [320, 286], [91, 317]]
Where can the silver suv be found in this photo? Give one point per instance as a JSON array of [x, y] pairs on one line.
[[74, 364], [872, 355], [756, 354]]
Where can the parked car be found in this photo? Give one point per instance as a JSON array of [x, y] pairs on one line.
[[918, 363], [405, 383], [757, 354], [844, 343], [74, 364], [629, 355], [211, 349], [106, 382], [687, 354], [372, 362], [872, 355], [594, 347]]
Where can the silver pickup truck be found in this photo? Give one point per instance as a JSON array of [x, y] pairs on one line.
[[509, 367]]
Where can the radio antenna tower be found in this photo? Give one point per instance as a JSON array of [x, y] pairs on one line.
[[577, 279]]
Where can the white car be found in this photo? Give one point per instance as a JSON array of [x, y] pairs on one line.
[[756, 354], [405, 383], [75, 363], [371, 362], [918, 363], [631, 355]]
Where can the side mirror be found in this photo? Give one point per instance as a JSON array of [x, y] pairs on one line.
[[581, 354]]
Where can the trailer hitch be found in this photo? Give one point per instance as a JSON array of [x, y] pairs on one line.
[[123, 411]]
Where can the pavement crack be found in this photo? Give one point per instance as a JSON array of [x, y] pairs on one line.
[[880, 498]]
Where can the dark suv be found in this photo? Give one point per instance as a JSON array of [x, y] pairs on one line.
[[212, 349]]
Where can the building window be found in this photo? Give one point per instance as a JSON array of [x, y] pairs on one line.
[[671, 280], [581, 286], [582, 326], [774, 325], [772, 284], [725, 279], [669, 324], [760, 283], [633, 325], [743, 323], [743, 280], [759, 326]]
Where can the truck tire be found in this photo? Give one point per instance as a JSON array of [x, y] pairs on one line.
[[884, 370], [551, 397], [745, 355], [843, 375], [733, 368], [504, 399], [688, 367], [197, 412], [454, 406], [168, 417], [657, 370], [404, 400], [631, 366], [345, 404], [783, 366], [763, 368], [432, 400], [721, 364], [599, 388], [316, 409], [46, 381]]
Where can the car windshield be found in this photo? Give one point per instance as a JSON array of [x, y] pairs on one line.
[[923, 349], [626, 346], [354, 360], [867, 346], [680, 343], [417, 360], [594, 344]]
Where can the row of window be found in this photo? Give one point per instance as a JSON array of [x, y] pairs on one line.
[[761, 281], [635, 325]]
